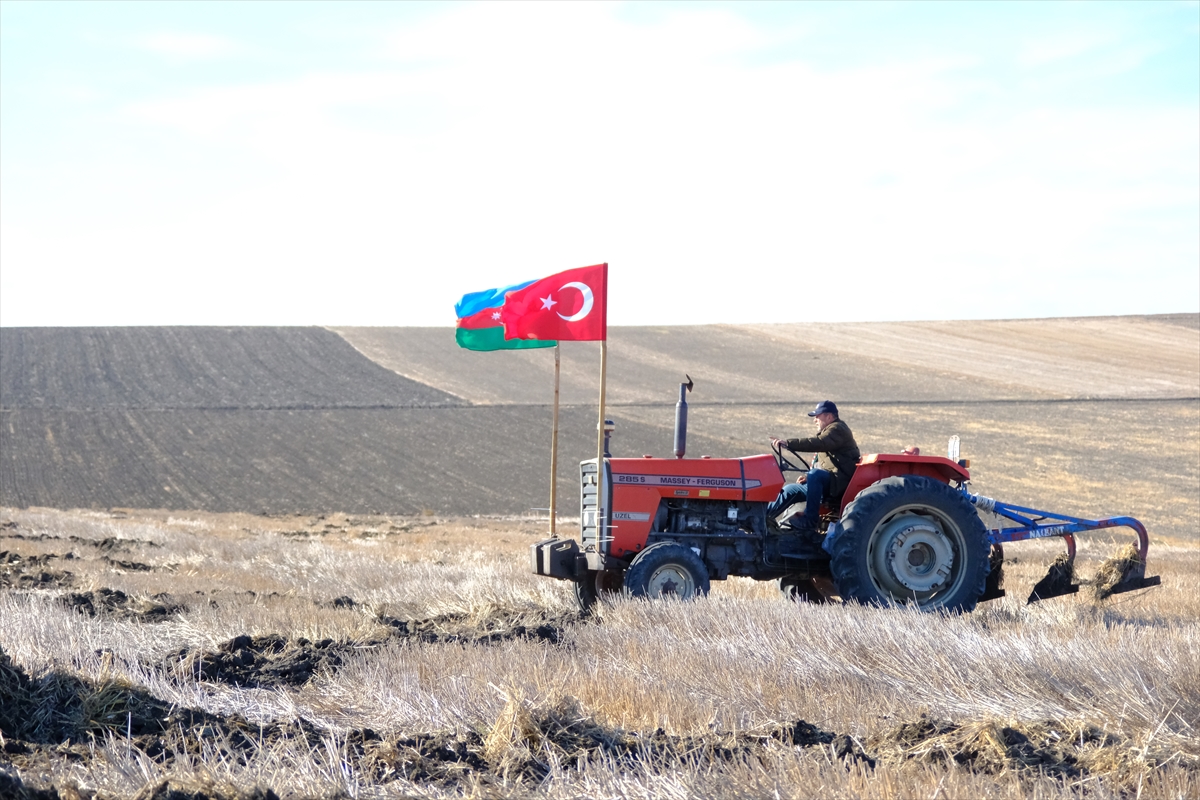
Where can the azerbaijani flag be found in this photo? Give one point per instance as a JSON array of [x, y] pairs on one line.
[[480, 326]]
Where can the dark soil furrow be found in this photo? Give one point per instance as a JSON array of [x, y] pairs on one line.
[[273, 660], [107, 544], [115, 603], [28, 572]]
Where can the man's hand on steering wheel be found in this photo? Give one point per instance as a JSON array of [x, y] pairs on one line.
[[785, 461]]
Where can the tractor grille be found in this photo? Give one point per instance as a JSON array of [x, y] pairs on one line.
[[589, 507]]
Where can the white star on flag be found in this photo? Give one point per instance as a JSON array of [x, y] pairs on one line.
[[496, 314], [547, 302]]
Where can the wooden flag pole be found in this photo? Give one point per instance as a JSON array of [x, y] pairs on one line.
[[554, 448], [602, 511], [601, 472]]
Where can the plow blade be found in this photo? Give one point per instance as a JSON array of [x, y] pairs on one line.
[[1048, 587], [1133, 584], [1060, 578], [995, 581], [992, 594]]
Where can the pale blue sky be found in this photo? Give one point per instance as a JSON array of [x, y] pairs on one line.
[[368, 163]]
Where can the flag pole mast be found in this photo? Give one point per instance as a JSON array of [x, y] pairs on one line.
[[601, 472], [554, 448], [602, 511]]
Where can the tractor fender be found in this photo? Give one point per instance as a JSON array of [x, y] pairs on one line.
[[873, 468]]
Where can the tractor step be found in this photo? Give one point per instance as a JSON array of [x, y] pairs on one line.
[[818, 556]]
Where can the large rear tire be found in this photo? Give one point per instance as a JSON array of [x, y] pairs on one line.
[[597, 585], [667, 569], [911, 540]]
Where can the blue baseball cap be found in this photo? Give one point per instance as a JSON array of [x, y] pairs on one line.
[[824, 407]]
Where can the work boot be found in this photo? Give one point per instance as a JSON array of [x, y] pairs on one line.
[[797, 523], [810, 534]]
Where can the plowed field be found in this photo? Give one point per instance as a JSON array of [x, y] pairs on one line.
[[1089, 416], [178, 368]]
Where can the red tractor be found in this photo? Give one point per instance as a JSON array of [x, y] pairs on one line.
[[907, 530]]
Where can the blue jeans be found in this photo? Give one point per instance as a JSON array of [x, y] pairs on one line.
[[793, 493]]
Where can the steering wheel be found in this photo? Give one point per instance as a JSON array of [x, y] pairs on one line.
[[786, 464]]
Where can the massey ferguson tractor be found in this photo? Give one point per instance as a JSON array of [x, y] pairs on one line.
[[907, 530]]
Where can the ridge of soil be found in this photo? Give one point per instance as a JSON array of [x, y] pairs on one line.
[[115, 603], [11, 786], [26, 572], [272, 660]]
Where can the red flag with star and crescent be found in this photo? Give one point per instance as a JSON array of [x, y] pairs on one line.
[[568, 306]]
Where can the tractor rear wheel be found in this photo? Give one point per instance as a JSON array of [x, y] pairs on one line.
[[911, 539], [597, 584], [667, 569]]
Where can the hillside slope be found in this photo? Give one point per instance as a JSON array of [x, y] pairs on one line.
[[1091, 357]]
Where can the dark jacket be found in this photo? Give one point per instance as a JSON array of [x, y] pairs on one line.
[[841, 454]]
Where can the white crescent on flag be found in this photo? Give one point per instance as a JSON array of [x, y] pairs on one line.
[[586, 309]]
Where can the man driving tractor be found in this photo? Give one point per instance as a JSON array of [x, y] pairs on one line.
[[910, 532], [828, 478]]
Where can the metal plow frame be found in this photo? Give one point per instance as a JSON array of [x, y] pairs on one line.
[[1037, 524]]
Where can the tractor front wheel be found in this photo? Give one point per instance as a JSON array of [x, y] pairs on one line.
[[596, 585], [911, 539], [667, 569]]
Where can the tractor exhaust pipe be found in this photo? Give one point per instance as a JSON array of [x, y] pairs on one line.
[[681, 418]]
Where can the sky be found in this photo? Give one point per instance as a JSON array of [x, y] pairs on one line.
[[369, 163]]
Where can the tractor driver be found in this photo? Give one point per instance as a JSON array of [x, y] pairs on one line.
[[829, 479]]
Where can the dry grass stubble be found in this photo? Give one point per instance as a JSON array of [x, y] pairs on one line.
[[1058, 699]]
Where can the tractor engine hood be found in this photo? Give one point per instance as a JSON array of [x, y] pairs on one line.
[[744, 479]]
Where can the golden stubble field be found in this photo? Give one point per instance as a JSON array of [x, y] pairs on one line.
[[218, 656]]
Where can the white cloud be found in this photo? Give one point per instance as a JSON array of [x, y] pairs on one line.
[[503, 143], [1041, 50], [187, 45]]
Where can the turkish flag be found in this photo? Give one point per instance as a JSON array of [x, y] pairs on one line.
[[569, 306]]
